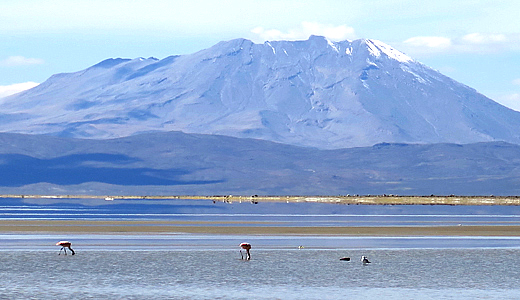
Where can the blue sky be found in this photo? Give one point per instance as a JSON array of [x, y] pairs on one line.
[[476, 42]]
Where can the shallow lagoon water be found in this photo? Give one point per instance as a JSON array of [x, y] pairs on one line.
[[271, 274], [264, 213], [207, 242], [195, 266]]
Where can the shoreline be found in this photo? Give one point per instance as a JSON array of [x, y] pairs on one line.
[[347, 199], [230, 228], [143, 227]]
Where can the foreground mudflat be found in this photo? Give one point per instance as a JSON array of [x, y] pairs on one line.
[[144, 227]]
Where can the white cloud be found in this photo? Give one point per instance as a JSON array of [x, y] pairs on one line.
[[306, 29], [469, 43], [511, 100], [516, 81], [479, 38], [20, 61], [7, 90], [432, 42]]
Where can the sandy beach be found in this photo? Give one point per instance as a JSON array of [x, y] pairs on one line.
[[144, 227]]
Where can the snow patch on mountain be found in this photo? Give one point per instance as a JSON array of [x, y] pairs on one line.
[[389, 51], [331, 44]]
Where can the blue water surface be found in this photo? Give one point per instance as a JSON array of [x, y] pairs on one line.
[[200, 266]]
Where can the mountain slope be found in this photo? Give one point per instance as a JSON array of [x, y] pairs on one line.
[[311, 93], [177, 163]]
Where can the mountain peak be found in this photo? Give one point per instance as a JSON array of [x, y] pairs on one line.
[[110, 62], [315, 93], [318, 39]]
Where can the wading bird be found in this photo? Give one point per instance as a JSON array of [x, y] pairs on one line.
[[247, 247], [364, 260], [64, 244]]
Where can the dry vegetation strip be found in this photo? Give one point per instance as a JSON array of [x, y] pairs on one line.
[[367, 200]]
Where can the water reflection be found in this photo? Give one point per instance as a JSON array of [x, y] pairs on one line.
[[263, 214]]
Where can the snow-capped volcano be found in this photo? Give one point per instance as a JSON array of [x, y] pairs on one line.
[[312, 93]]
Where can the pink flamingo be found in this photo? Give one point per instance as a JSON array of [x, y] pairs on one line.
[[64, 244], [247, 247]]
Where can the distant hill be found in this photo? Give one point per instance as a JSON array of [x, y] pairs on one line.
[[316, 93], [177, 163]]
